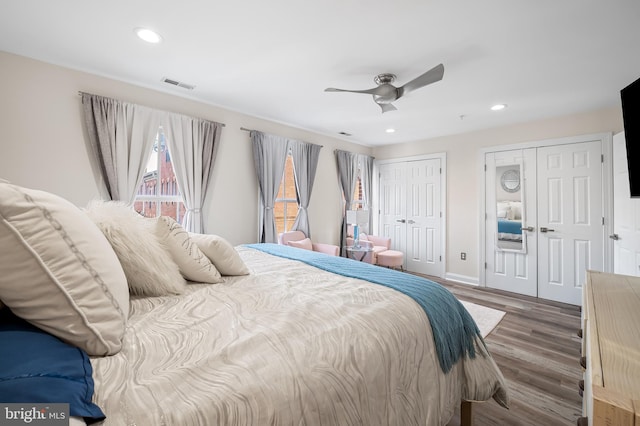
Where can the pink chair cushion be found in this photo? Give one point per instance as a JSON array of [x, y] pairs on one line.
[[390, 258], [299, 240], [285, 237], [302, 244]]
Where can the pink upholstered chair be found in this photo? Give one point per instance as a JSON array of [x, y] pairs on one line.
[[299, 240], [379, 244]]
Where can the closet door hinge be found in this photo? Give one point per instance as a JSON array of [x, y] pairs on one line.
[[485, 265], [603, 221], [440, 258], [602, 158], [485, 167], [440, 170]]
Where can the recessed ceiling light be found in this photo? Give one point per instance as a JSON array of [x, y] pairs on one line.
[[148, 35], [390, 130], [498, 107]]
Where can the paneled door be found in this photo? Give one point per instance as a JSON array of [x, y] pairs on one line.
[[411, 213], [393, 203], [562, 222], [570, 219], [511, 268], [626, 215]]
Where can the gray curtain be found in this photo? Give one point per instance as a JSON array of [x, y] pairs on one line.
[[365, 163], [269, 157], [193, 144], [121, 136], [305, 163], [347, 164]]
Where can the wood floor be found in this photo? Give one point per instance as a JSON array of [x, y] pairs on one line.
[[537, 349]]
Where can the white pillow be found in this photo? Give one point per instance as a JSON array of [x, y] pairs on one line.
[[193, 264], [149, 268], [225, 258], [59, 272], [516, 210], [504, 213], [302, 244]]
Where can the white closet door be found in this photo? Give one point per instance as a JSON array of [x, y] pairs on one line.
[[410, 212], [423, 248], [393, 204], [626, 214], [570, 212], [510, 270]]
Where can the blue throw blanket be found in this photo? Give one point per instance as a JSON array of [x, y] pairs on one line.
[[454, 330]]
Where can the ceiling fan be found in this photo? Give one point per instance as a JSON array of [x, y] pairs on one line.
[[386, 92]]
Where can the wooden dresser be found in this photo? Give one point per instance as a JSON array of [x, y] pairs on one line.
[[611, 350]]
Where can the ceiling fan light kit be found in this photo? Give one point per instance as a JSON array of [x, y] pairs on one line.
[[386, 93]]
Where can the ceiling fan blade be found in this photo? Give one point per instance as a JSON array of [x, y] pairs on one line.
[[387, 108], [431, 76], [373, 91]]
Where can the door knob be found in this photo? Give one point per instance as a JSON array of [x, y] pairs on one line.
[[400, 220], [528, 228], [543, 229], [615, 237]]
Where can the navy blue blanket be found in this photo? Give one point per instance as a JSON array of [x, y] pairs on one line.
[[454, 330]]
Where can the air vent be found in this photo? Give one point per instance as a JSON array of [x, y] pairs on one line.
[[344, 134], [178, 83]]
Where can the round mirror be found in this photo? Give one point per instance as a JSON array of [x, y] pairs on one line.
[[510, 180]]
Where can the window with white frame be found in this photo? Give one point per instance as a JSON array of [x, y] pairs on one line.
[[285, 208], [159, 194]]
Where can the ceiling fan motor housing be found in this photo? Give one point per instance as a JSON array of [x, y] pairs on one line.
[[385, 94]]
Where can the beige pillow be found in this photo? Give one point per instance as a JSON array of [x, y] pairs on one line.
[[149, 268], [193, 264], [59, 272], [221, 253], [302, 244]]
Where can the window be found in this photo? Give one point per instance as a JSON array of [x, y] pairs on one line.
[[286, 204], [158, 194], [357, 201]]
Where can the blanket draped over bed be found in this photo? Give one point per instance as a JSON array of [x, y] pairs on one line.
[[289, 344], [454, 331]]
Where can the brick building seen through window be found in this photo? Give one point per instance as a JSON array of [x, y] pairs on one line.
[[159, 194]]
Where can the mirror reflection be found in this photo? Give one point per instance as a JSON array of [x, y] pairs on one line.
[[509, 208]]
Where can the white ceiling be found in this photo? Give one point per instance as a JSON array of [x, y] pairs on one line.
[[273, 59]]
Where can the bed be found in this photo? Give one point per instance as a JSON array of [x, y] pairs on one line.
[[509, 230], [297, 338]]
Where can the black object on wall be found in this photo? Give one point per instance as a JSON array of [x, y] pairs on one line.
[[630, 97]]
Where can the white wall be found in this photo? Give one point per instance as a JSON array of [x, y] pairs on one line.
[[42, 146], [464, 173]]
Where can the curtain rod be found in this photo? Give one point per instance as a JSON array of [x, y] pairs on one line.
[[251, 130], [80, 93]]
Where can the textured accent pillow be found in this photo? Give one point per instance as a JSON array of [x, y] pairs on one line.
[[59, 272], [148, 266], [221, 253], [193, 264], [302, 244]]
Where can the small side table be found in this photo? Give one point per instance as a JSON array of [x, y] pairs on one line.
[[358, 253]]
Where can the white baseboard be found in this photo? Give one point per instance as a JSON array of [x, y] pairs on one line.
[[463, 279]]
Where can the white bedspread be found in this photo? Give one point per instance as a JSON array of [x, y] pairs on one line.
[[288, 344]]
